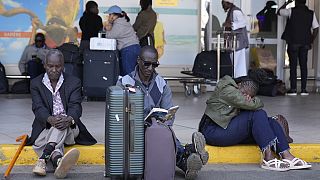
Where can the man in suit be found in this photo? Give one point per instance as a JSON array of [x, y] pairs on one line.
[[56, 104]]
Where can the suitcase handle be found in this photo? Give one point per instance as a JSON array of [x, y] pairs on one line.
[[131, 145]]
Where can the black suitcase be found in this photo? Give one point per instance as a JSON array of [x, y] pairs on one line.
[[74, 69], [124, 132], [100, 70], [205, 65]]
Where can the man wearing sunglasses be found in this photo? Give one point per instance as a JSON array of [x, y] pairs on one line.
[[31, 60], [157, 93]]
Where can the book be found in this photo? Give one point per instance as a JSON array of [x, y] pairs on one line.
[[163, 114]]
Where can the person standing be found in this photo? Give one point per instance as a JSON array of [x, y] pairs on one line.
[[145, 23], [301, 29], [90, 24], [236, 22], [119, 28]]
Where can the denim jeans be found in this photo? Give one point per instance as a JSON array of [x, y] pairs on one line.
[[128, 58], [246, 128], [35, 68]]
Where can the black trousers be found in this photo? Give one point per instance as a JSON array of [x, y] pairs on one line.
[[295, 52]]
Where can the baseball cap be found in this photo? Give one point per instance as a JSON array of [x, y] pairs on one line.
[[114, 9]]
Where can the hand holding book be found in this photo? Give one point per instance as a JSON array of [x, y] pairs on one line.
[[163, 114]]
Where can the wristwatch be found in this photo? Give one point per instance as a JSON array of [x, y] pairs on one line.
[[72, 121]]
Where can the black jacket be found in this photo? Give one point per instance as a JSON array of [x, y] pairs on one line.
[[42, 107], [90, 25]]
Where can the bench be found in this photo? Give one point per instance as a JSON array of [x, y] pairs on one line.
[[17, 77]]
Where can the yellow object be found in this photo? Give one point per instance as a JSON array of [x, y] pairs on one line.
[[228, 155], [167, 3], [159, 38]]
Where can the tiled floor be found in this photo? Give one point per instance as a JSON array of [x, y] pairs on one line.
[[302, 113]]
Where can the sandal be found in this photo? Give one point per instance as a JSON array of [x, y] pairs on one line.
[[297, 163], [275, 165]]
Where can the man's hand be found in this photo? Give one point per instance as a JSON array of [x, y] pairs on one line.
[[63, 123], [52, 120]]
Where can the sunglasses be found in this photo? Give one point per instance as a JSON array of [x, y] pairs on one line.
[[148, 64]]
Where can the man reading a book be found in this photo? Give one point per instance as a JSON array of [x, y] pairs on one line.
[[157, 94]]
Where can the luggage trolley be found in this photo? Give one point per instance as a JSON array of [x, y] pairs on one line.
[[226, 41]]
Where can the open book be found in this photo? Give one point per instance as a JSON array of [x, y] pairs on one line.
[[163, 114]]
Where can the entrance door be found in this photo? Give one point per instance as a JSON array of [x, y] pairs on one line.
[[265, 24]]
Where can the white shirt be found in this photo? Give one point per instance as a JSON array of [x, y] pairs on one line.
[[239, 20], [287, 13]]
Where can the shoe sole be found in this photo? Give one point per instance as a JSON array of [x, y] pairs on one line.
[[275, 169], [194, 165], [292, 94], [304, 94], [67, 161], [38, 173], [200, 142]]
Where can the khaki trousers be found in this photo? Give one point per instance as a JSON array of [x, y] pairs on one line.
[[54, 135]]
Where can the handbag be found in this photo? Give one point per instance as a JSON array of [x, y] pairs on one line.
[[284, 125]]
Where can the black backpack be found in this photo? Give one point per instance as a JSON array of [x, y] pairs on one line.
[[3, 80], [70, 53]]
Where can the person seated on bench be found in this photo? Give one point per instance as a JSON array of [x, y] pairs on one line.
[[56, 104], [31, 60], [234, 115], [189, 158]]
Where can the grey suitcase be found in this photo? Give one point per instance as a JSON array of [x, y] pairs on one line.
[[160, 152], [124, 151]]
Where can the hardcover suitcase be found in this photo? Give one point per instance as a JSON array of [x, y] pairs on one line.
[[124, 151], [100, 70], [160, 152]]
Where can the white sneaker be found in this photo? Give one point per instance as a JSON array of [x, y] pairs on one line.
[[66, 162], [40, 168]]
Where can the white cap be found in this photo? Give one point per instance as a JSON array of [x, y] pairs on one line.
[[230, 1]]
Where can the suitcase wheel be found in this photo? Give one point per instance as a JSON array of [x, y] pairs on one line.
[[196, 90], [187, 90]]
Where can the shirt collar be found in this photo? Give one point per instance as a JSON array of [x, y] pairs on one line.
[[47, 83]]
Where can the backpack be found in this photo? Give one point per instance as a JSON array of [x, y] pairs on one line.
[[3, 80]]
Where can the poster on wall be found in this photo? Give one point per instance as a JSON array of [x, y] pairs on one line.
[[177, 29], [20, 20]]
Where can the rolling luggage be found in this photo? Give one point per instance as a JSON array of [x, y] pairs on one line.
[[160, 152], [124, 132], [100, 70]]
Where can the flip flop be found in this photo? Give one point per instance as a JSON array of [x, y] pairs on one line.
[[297, 163], [274, 165]]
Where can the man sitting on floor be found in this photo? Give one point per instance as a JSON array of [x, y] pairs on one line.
[[56, 104], [157, 93]]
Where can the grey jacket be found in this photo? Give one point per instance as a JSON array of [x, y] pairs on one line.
[[27, 54], [156, 94], [123, 32]]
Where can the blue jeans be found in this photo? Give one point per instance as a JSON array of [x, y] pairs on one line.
[[128, 58], [246, 128], [35, 68]]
